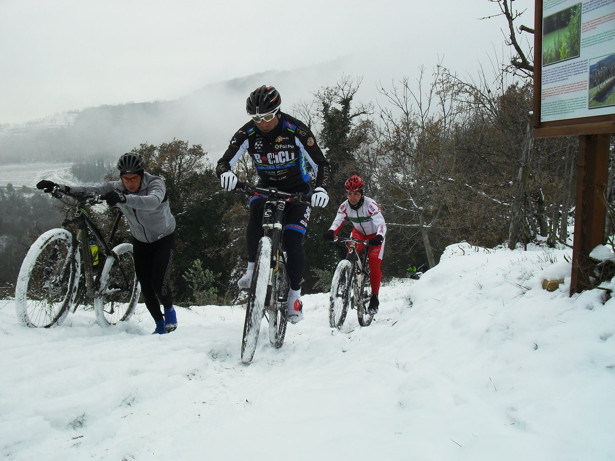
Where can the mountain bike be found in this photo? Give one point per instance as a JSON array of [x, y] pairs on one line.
[[350, 287], [269, 288], [73, 265]]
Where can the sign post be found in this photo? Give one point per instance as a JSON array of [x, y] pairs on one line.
[[574, 95]]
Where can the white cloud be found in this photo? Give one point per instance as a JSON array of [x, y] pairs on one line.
[[71, 54]]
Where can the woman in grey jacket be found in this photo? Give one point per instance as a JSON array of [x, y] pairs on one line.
[[142, 198]]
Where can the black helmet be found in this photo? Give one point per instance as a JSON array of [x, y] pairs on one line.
[[263, 100], [131, 163]]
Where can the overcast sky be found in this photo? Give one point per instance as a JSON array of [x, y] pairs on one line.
[[66, 55]]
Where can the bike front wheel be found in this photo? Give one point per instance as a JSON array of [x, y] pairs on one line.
[[340, 294], [46, 286], [277, 306], [118, 290], [255, 308]]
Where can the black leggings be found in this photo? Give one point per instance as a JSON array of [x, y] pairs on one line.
[[153, 263], [296, 218]]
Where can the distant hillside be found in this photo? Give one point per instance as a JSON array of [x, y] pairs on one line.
[[93, 132], [110, 130], [208, 117]]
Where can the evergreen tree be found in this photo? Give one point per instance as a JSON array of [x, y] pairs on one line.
[[199, 207], [24, 215], [345, 132]]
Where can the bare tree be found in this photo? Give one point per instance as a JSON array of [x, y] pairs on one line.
[[415, 138], [521, 62], [517, 231], [306, 112]]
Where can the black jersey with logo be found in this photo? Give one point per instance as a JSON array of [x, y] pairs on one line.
[[283, 157]]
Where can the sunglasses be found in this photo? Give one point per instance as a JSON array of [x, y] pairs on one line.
[[353, 192], [264, 118], [132, 179]]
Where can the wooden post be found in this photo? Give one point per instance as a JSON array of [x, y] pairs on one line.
[[590, 213]]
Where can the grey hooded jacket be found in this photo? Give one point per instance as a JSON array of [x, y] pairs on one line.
[[147, 210]]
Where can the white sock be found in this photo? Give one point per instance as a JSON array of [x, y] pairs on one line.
[[250, 268]]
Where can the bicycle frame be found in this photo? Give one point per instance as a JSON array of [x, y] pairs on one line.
[[270, 284], [359, 260], [59, 272], [80, 225], [273, 221], [350, 284]]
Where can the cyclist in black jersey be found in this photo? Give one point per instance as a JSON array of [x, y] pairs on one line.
[[284, 151]]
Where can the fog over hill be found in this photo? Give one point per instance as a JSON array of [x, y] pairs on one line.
[[208, 117], [108, 130]]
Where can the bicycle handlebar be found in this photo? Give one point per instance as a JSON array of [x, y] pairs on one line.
[[273, 192], [352, 240], [90, 198]]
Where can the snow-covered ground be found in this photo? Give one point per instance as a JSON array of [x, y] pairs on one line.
[[474, 361], [28, 174]]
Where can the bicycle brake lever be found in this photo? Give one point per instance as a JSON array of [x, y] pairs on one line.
[[244, 187], [300, 197], [98, 198]]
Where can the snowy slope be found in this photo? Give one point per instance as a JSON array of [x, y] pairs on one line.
[[472, 362], [28, 174]]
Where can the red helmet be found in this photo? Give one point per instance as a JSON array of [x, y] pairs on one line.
[[353, 183]]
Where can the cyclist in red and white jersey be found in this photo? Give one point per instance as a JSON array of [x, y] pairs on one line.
[[365, 215]]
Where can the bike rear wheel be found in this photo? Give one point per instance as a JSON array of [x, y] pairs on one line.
[[46, 285], [340, 294], [362, 297], [255, 308], [277, 306], [118, 290]]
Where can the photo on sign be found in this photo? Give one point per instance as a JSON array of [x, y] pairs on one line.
[[602, 82], [562, 35]]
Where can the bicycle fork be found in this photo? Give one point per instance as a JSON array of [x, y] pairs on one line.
[[360, 277], [273, 299], [274, 225]]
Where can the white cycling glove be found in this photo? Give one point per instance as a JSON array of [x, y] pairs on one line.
[[228, 180], [320, 198]]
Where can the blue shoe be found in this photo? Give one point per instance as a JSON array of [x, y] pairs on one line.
[[170, 319], [160, 329]]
